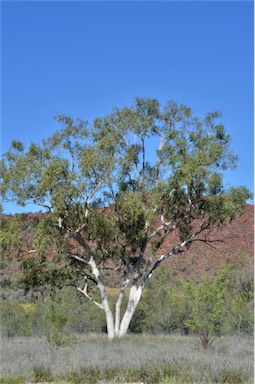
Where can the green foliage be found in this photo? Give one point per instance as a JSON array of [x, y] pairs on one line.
[[38, 274], [14, 320], [207, 306], [10, 237], [58, 318], [212, 307], [11, 380], [132, 216], [161, 313], [240, 297], [77, 165], [59, 339], [46, 234]]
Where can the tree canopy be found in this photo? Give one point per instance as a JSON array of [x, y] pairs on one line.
[[115, 189]]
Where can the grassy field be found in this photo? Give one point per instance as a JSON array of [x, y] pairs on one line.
[[91, 359]]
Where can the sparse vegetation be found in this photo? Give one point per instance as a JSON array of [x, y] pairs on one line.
[[145, 358]]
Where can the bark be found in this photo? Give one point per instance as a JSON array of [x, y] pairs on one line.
[[105, 303], [118, 306], [134, 298], [117, 314], [109, 320]]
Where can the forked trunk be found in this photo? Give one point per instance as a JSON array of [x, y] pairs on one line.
[[117, 328], [134, 298]]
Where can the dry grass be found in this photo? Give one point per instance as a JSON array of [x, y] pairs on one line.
[[148, 359]]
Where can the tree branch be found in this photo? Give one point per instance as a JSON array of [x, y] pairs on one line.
[[78, 258], [177, 249], [85, 293], [39, 204], [76, 236]]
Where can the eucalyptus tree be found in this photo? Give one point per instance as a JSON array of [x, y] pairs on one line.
[[116, 189]]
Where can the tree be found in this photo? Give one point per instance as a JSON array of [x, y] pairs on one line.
[[115, 190], [207, 303]]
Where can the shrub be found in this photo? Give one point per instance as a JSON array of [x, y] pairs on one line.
[[207, 307]]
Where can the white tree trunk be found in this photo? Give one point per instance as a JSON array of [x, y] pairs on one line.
[[105, 303], [117, 314], [118, 305], [134, 298], [109, 319]]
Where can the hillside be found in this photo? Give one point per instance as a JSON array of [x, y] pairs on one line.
[[225, 244]]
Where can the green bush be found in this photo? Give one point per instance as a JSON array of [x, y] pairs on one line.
[[207, 306], [58, 339], [160, 312], [239, 317], [66, 313], [14, 319]]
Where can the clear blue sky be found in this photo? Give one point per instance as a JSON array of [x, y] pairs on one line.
[[83, 58]]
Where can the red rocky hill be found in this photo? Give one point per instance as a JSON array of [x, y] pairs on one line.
[[226, 243]]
